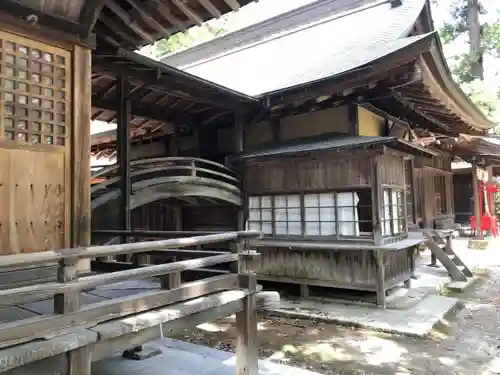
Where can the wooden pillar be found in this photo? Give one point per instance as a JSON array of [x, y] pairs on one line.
[[493, 198], [377, 211], [380, 288], [477, 208], [80, 151], [239, 147], [123, 152]]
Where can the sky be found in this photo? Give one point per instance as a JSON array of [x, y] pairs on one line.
[[264, 9]]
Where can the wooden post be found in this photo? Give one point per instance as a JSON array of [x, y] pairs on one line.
[[79, 361], [376, 203], [80, 151], [239, 147], [70, 301], [477, 208], [237, 247], [379, 259], [246, 329], [123, 153]]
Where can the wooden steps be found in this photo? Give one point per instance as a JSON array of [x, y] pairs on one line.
[[442, 250]]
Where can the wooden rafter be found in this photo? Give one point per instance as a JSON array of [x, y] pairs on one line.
[[89, 15]]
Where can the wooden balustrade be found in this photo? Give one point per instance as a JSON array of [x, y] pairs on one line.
[[70, 313]]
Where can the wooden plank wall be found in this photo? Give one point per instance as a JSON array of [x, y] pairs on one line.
[[327, 171], [426, 169], [392, 170]]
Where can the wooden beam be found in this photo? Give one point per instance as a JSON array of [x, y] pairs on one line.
[[207, 4], [191, 14], [233, 4], [89, 15], [151, 113], [148, 18], [128, 21]]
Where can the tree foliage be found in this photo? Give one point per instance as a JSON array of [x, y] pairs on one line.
[[186, 39], [484, 40]]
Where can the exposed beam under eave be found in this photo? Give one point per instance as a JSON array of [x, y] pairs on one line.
[[89, 15]]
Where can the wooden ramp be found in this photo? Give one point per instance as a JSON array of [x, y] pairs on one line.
[[438, 242]]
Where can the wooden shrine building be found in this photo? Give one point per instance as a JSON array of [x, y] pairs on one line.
[[335, 171], [63, 63]]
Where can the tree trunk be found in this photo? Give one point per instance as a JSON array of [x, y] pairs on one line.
[[475, 48]]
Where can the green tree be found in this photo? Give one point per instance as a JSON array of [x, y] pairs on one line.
[[182, 40], [483, 39]]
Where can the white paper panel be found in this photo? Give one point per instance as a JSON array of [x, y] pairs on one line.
[[254, 215], [266, 215], [254, 202], [312, 214], [326, 199], [280, 214], [266, 202], [281, 227], [280, 201], [294, 214], [327, 213], [311, 200], [294, 201], [295, 229], [267, 228], [312, 229], [327, 229]]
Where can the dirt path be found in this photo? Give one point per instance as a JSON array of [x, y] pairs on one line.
[[469, 345]]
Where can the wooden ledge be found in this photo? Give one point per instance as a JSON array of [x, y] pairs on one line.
[[176, 311], [24, 354]]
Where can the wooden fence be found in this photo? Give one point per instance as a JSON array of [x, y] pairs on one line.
[[104, 321]]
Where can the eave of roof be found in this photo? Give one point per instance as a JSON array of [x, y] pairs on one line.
[[333, 144]]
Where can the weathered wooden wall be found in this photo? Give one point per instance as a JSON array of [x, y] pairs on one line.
[[426, 187], [392, 170], [350, 269], [266, 133], [302, 174], [44, 144]]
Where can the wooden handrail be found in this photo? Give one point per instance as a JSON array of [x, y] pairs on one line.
[[20, 260], [27, 294], [169, 233]]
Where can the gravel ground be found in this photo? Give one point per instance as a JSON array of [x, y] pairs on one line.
[[469, 344]]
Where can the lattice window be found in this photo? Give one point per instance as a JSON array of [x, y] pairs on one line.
[[260, 214], [320, 214], [287, 215], [35, 91], [393, 220]]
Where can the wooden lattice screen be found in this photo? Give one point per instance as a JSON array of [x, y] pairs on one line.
[[35, 90]]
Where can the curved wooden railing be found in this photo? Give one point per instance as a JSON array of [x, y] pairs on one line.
[[159, 178]]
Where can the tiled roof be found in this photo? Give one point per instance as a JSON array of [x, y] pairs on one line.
[[316, 41]]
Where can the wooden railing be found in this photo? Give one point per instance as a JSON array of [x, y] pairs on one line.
[[69, 310], [146, 174]]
